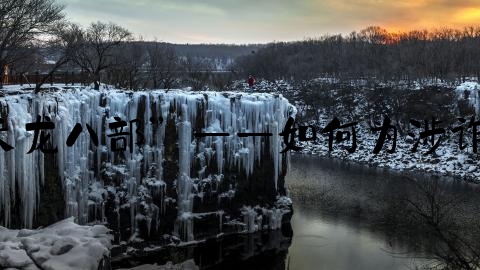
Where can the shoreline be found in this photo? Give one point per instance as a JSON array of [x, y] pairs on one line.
[[467, 178]]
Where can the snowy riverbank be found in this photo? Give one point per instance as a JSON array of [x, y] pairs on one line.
[[448, 159]]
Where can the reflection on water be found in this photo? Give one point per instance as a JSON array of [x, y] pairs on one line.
[[346, 238], [320, 243], [325, 241], [266, 251], [349, 216]]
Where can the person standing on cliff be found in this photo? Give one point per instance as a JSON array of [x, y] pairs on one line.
[[251, 82]]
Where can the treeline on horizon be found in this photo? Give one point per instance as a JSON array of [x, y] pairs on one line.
[[38, 43], [372, 53], [36, 38]]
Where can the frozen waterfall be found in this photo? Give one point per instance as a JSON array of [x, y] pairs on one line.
[[137, 180]]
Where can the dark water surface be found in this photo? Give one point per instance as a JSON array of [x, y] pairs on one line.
[[323, 243], [341, 239], [327, 241]]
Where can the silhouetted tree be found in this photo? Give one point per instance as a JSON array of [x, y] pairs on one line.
[[65, 40], [99, 41], [163, 65], [21, 21]]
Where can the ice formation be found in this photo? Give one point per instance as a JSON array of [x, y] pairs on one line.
[[137, 177]]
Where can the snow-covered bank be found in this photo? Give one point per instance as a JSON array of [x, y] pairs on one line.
[[63, 245], [448, 159]]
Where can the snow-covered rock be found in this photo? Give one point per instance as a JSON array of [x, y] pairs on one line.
[[62, 246]]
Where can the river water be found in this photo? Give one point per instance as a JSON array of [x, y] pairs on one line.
[[338, 207], [328, 241], [320, 242]]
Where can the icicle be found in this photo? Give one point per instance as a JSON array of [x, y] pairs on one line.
[[184, 183], [274, 216], [249, 219], [220, 220]]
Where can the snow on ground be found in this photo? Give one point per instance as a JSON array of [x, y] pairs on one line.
[[447, 159], [63, 245]]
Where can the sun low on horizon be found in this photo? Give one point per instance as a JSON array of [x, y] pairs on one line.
[[262, 21]]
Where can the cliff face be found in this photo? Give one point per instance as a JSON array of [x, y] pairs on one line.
[[167, 181]]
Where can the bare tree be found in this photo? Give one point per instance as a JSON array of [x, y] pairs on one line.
[[65, 40], [162, 65], [198, 71], [372, 54], [100, 40], [21, 21], [128, 62], [437, 211]]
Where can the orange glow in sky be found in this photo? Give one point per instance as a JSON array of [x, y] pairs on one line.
[[260, 21], [468, 15]]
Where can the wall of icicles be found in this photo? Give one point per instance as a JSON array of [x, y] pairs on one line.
[[166, 181]]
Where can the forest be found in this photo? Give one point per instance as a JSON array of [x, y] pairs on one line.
[[445, 54]]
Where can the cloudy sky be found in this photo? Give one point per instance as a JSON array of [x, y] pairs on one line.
[[260, 21]]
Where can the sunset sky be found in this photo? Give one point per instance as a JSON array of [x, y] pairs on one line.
[[260, 21]]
